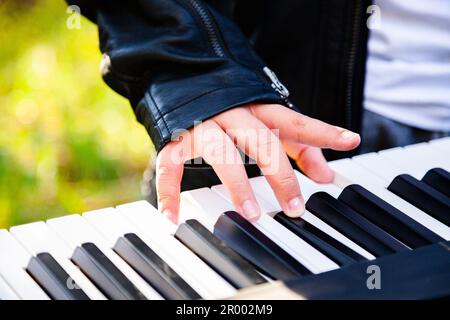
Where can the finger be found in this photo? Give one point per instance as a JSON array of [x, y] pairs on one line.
[[257, 141], [310, 160], [218, 150], [303, 129], [169, 171]]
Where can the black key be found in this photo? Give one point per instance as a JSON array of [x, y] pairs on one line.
[[54, 279], [422, 196], [438, 179], [418, 274], [257, 248], [218, 255], [297, 226], [104, 274], [387, 217], [153, 269], [354, 226]]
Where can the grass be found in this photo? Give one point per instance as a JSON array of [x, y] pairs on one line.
[[68, 143]]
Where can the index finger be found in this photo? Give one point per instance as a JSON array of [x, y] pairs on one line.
[[303, 129]]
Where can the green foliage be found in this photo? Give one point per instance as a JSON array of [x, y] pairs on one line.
[[68, 143]]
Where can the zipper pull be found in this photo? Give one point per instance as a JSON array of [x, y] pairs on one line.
[[278, 86]]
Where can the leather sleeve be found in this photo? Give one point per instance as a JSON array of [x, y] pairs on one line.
[[177, 61]]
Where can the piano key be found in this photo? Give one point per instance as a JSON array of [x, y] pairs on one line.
[[21, 282], [426, 152], [6, 293], [76, 231], [352, 224], [441, 145], [37, 237], [263, 190], [249, 242], [379, 166], [422, 196], [152, 268], [112, 225], [348, 172], [329, 247], [13, 261], [439, 179], [416, 159], [51, 276], [310, 187], [387, 217], [263, 205], [105, 274], [218, 255], [152, 227], [12, 250], [304, 253], [410, 275]]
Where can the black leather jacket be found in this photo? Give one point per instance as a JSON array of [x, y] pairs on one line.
[[180, 61]]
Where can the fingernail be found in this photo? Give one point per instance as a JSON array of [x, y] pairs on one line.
[[250, 210], [348, 135], [296, 207]]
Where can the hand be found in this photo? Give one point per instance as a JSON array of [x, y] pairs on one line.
[[252, 128]]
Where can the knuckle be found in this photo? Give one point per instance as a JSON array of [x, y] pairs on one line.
[[239, 187], [167, 192], [288, 183], [215, 149], [165, 170], [166, 198], [299, 124], [265, 140]]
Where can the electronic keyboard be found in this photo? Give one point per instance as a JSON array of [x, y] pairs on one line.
[[381, 230]]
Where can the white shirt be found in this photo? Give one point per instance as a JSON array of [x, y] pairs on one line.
[[408, 66]]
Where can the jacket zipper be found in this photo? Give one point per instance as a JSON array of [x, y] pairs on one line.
[[204, 15], [278, 86], [351, 65]]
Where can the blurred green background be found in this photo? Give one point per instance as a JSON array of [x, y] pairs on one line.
[[68, 143]]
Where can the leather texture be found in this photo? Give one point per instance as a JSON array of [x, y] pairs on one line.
[[181, 61]]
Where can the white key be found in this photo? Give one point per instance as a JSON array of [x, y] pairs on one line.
[[157, 230], [21, 282], [379, 166], [441, 145], [310, 187], [264, 205], [431, 157], [37, 237], [264, 191], [13, 261], [348, 172], [113, 225], [308, 256], [6, 293], [416, 160], [12, 250], [76, 231]]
